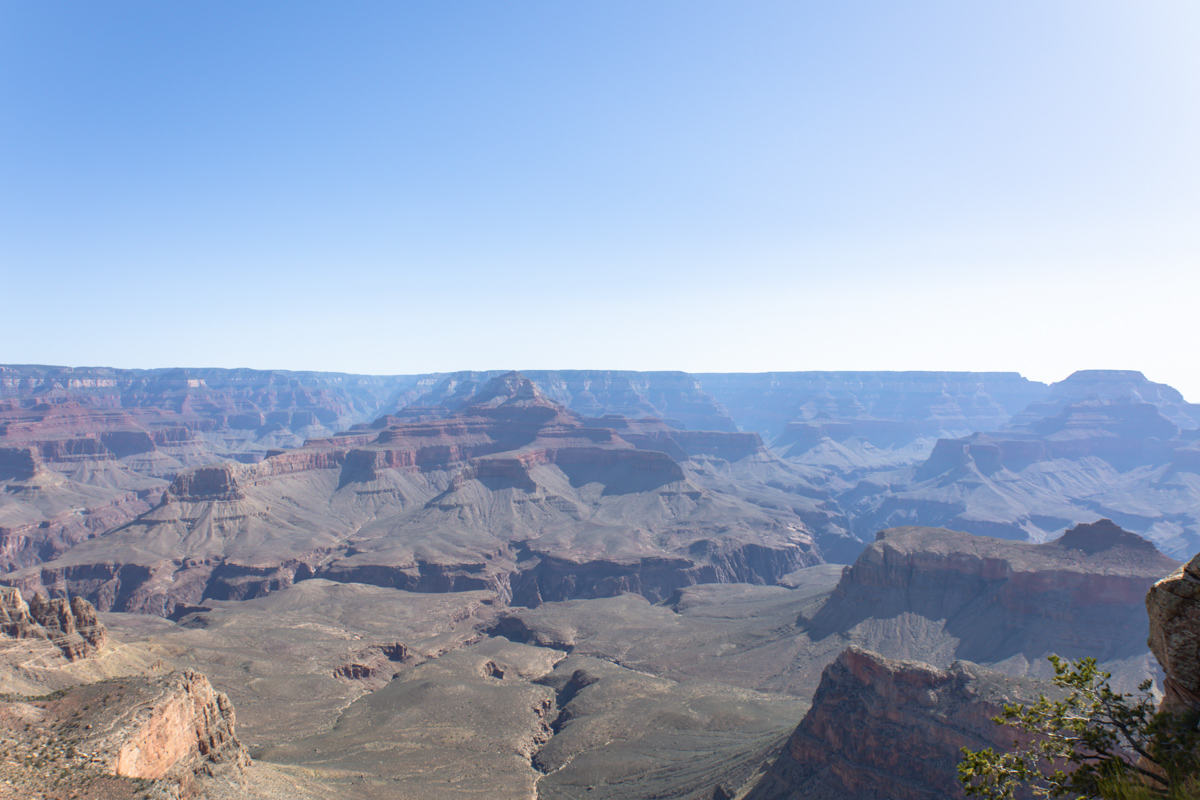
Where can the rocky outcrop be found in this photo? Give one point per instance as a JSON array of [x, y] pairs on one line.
[[880, 728], [162, 736], [174, 725], [1173, 605], [213, 482], [1080, 595], [376, 664], [549, 578], [70, 625], [19, 463]]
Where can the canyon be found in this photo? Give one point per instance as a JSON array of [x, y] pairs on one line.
[[565, 584]]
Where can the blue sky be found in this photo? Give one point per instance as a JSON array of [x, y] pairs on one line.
[[409, 187]]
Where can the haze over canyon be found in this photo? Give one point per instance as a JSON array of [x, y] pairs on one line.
[[567, 584]]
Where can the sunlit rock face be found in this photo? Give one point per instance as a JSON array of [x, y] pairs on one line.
[[169, 735], [1173, 605], [172, 725]]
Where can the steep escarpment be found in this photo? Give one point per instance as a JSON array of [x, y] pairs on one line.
[[120, 737], [885, 728], [138, 726], [170, 725], [939, 595]]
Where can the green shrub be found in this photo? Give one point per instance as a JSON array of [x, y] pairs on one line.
[[1095, 743]]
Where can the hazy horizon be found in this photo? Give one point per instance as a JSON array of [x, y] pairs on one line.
[[397, 189]]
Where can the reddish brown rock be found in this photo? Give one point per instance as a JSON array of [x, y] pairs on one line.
[[71, 625], [178, 724], [376, 664], [213, 482], [511, 492], [164, 736], [880, 728]]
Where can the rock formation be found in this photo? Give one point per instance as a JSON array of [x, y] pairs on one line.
[[939, 595], [110, 737], [883, 728], [1173, 605], [170, 725], [1102, 443], [885, 407], [880, 728], [70, 625], [509, 492]]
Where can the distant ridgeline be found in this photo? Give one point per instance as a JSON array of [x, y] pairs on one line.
[[558, 484]]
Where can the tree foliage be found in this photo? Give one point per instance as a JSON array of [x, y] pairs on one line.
[[1094, 743]]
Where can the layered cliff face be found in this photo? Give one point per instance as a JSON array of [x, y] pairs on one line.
[[170, 726], [120, 737], [70, 625], [939, 595], [55, 493], [237, 399], [509, 492], [1122, 384], [883, 728], [92, 733], [83, 451]]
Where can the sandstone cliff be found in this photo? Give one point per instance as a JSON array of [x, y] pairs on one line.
[[112, 737]]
